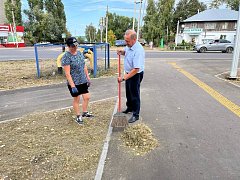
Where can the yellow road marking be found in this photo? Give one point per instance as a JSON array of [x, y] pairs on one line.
[[220, 98]]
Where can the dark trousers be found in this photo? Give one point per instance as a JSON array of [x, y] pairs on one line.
[[132, 86]]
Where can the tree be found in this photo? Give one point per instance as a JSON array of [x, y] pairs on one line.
[[119, 24], [111, 37], [186, 9], [16, 8], [165, 14], [34, 25], [81, 39], [233, 4], [149, 29], [46, 21], [55, 8], [158, 18], [90, 33]]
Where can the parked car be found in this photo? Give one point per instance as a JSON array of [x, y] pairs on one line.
[[215, 45], [142, 42], [120, 43], [43, 43]]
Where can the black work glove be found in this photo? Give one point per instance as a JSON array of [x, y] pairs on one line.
[[74, 90], [89, 83]]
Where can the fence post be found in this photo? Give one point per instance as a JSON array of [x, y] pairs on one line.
[[37, 63], [108, 49], [95, 61]]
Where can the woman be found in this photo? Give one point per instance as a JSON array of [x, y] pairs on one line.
[[78, 79]]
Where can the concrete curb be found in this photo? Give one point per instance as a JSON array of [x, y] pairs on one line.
[[103, 156]]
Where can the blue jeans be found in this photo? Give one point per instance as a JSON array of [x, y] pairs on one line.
[[132, 86]]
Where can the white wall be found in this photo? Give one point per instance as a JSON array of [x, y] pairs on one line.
[[208, 35]]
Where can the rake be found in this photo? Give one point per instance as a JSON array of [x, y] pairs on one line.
[[119, 121]]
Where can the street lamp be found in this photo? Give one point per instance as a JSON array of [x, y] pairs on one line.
[[182, 28], [139, 17], [102, 24], [106, 24], [176, 38], [134, 14], [14, 26]]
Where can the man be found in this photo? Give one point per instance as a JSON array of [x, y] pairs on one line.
[[134, 68]]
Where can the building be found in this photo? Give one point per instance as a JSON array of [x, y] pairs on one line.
[[208, 25], [2, 12], [10, 38]]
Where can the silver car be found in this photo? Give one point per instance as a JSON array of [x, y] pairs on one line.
[[215, 45]]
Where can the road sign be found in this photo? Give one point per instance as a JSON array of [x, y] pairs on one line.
[[63, 35]]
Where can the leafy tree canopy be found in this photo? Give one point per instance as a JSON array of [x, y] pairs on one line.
[[90, 33], [46, 21], [119, 24], [14, 7], [233, 4]]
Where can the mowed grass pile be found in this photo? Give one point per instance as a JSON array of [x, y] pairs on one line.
[[22, 74], [52, 145], [139, 138]]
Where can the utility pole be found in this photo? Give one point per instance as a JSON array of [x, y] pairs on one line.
[[167, 35], [142, 13], [233, 74], [176, 38], [107, 25], [101, 26], [134, 14], [14, 26], [140, 10]]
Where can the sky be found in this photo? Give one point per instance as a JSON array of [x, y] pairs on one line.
[[81, 13]]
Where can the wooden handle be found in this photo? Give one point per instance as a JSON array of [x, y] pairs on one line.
[[119, 84]]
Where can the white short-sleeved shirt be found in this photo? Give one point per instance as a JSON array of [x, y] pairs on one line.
[[134, 58]]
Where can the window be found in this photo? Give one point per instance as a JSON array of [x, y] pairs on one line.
[[194, 25], [235, 27], [210, 25], [224, 41], [223, 36], [225, 25]]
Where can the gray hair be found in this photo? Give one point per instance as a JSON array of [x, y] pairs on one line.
[[132, 33]]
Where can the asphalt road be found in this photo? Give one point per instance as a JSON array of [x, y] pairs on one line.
[[54, 51]]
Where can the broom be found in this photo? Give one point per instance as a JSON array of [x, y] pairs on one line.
[[119, 120]]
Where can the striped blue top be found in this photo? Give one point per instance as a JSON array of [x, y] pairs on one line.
[[77, 65]]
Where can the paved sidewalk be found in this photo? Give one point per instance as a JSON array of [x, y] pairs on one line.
[[17, 103], [199, 138]]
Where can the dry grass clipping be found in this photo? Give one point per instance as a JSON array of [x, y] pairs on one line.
[[22, 73], [52, 145], [139, 138]]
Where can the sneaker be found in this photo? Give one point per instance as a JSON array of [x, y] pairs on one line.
[[87, 114], [79, 120]]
